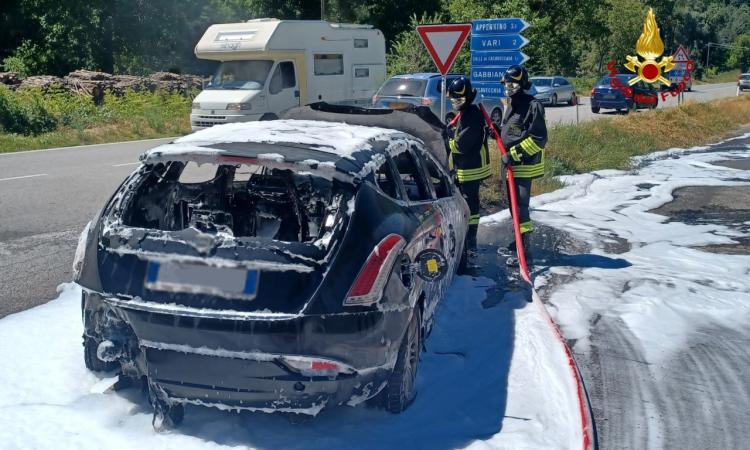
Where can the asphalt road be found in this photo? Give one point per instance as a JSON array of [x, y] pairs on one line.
[[46, 199], [48, 196], [565, 114]]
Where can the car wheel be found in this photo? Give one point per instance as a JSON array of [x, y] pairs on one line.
[[554, 100], [497, 115], [595, 109], [401, 389], [573, 100], [93, 363], [632, 107], [269, 116]]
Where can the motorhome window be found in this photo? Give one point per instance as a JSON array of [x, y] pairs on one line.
[[407, 87], [249, 75], [283, 78], [329, 64], [236, 35], [360, 43], [361, 72]]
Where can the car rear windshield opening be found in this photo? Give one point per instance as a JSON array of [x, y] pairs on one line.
[[541, 81], [403, 86], [243, 200]]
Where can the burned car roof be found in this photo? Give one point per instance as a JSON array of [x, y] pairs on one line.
[[314, 144]]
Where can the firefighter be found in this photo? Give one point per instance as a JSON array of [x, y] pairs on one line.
[[469, 154], [524, 134]]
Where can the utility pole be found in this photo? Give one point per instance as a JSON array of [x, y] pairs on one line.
[[322, 9]]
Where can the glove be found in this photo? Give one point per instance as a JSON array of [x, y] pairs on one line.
[[493, 133], [450, 132], [453, 146]]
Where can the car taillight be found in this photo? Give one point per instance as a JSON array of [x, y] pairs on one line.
[[593, 91], [315, 367], [426, 101], [368, 287]]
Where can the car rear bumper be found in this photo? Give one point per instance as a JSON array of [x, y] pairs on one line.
[[254, 384], [227, 360], [611, 104]]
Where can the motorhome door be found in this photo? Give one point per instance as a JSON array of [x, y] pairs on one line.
[[283, 88]]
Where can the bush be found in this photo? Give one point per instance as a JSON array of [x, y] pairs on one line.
[[25, 113]]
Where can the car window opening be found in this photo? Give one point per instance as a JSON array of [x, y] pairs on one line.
[[386, 180], [439, 183], [414, 185], [242, 200]]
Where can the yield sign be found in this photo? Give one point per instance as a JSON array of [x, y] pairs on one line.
[[443, 42]]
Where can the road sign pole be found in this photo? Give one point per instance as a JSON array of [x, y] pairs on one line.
[[442, 100]]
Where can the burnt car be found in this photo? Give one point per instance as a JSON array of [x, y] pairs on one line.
[[285, 266]]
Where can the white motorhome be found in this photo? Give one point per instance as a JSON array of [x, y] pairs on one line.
[[269, 66]]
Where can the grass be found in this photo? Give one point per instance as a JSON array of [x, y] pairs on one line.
[[611, 143], [70, 119], [721, 77]]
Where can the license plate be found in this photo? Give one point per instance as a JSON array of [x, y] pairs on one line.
[[398, 105], [199, 279], [609, 96]]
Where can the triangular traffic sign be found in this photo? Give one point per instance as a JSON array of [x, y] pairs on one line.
[[681, 55], [443, 42]]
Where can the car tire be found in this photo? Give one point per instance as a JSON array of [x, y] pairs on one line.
[[632, 108], [573, 100], [401, 390], [553, 102], [93, 363], [496, 115], [269, 116], [595, 109]]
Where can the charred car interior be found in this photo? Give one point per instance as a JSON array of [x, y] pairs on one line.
[[239, 200]]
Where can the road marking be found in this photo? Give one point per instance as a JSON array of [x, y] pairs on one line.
[[84, 146], [125, 164], [25, 176]]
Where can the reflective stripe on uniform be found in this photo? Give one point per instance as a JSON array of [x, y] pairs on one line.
[[473, 174], [474, 219], [527, 227], [530, 170], [530, 146]]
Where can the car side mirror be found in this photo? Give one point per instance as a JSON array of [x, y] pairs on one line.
[[556, 85], [430, 265]]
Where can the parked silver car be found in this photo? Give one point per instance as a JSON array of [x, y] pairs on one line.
[[423, 89], [743, 82], [554, 90]]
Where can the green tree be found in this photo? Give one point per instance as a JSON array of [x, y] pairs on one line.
[[739, 55]]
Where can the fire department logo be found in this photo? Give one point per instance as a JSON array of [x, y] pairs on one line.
[[649, 47]]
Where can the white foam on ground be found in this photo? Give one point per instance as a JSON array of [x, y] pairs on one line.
[[490, 379], [671, 288]]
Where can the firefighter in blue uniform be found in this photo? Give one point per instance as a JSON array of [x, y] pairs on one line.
[[469, 154], [524, 134]]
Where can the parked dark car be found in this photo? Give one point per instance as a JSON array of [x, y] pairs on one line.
[[414, 89], [616, 93], [283, 265]]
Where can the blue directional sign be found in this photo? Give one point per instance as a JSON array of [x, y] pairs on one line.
[[498, 58], [481, 74], [498, 26], [490, 90], [495, 45], [498, 42]]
